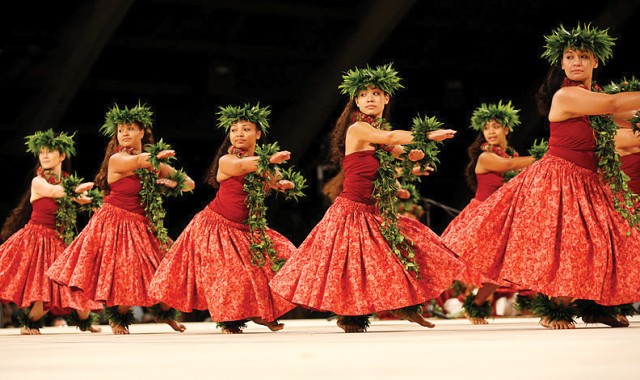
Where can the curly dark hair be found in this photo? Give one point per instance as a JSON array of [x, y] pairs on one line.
[[101, 178]]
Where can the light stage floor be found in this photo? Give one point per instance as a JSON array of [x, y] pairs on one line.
[[508, 348]]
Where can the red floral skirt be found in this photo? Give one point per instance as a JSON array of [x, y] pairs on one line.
[[112, 260], [209, 267], [345, 265], [552, 229], [24, 259]]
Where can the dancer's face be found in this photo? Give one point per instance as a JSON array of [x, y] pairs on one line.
[[50, 159], [244, 134], [130, 135], [495, 133], [578, 65], [372, 101]]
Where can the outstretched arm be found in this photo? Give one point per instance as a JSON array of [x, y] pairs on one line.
[[489, 162]]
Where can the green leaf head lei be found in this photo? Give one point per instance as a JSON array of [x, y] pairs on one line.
[[383, 77], [503, 113], [141, 114], [256, 114], [62, 143], [582, 37]]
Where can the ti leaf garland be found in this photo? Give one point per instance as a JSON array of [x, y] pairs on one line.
[[625, 201], [384, 194], [151, 194], [256, 185], [67, 211]]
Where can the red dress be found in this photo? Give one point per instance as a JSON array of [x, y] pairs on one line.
[[345, 265], [553, 228], [631, 167], [115, 256], [209, 265], [24, 259]]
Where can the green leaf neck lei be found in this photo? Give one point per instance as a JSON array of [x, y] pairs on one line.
[[384, 195], [624, 200], [151, 194], [256, 186], [67, 210]]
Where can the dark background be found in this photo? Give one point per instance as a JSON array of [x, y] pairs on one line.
[[63, 63]]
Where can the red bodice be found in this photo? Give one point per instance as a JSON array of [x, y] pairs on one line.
[[125, 194], [488, 183], [44, 212], [631, 167], [230, 200], [573, 139], [360, 170]]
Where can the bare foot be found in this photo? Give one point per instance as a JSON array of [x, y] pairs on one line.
[[622, 318], [348, 328], [609, 320], [557, 325], [27, 331], [95, 329], [477, 320], [419, 319], [273, 325], [231, 330], [175, 325], [118, 329]]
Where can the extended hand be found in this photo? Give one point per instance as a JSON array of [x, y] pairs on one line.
[[441, 134], [81, 188], [415, 155], [284, 185], [83, 199], [403, 194], [167, 183], [280, 157], [427, 170], [166, 154]]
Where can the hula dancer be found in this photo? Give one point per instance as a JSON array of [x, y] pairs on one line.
[[116, 255], [557, 228], [492, 162], [49, 210], [362, 257], [224, 259]]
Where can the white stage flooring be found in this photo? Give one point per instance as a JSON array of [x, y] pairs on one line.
[[507, 348]]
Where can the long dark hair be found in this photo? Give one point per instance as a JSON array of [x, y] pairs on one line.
[[211, 176], [19, 216], [553, 82], [474, 152], [102, 176], [340, 130]]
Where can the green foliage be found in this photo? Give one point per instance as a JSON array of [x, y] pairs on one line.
[[140, 113], [476, 311], [360, 321], [382, 77], [420, 127], [384, 194], [626, 85], [97, 199], [25, 321], [73, 319], [62, 143], [583, 36], [118, 319], [543, 307], [539, 149], [505, 114], [66, 213], [152, 194], [164, 315], [256, 185], [255, 114], [232, 325]]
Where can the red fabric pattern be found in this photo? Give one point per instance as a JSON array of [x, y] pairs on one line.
[[360, 169], [112, 260], [552, 229], [345, 265], [631, 167], [24, 258], [209, 267], [230, 200], [125, 194]]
